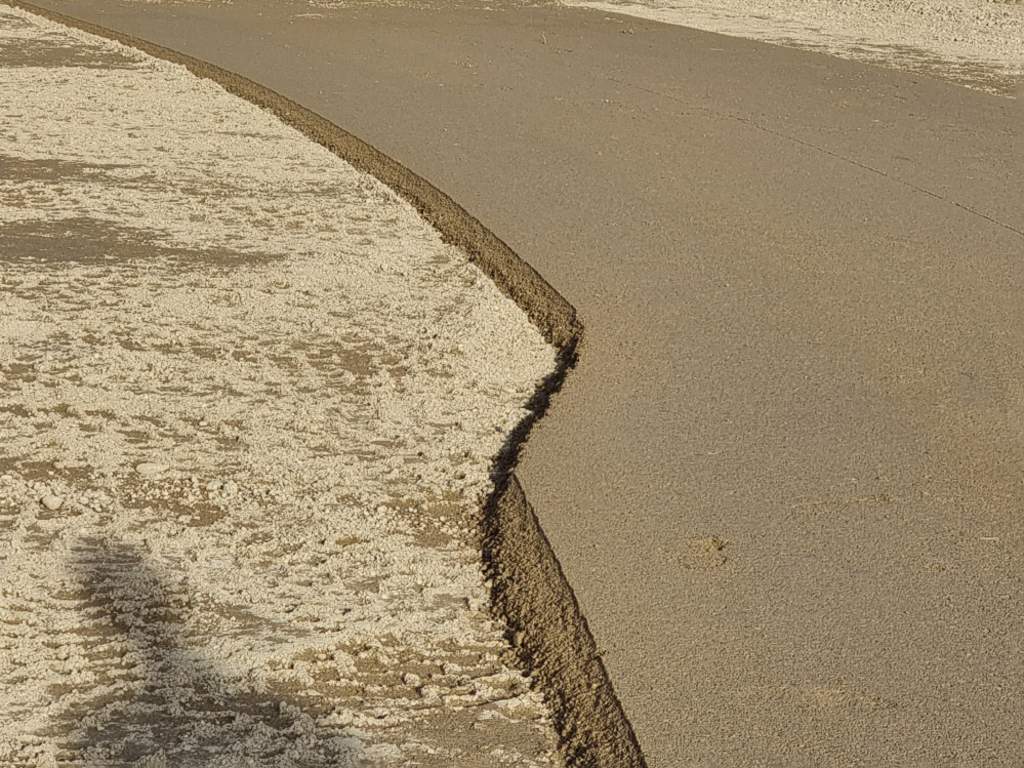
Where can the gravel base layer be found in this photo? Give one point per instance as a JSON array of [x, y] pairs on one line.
[[978, 43], [248, 405]]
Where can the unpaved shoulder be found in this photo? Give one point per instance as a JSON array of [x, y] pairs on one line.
[[248, 405]]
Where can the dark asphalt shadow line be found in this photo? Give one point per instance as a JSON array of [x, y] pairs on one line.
[[165, 704]]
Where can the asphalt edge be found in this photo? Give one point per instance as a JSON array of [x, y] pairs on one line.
[[529, 591], [543, 619]]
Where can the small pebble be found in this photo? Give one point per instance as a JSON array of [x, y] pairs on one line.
[[150, 469], [51, 502], [431, 694]]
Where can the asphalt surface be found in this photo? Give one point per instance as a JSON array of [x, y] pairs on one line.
[[785, 479]]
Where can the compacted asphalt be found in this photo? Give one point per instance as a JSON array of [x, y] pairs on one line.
[[786, 477]]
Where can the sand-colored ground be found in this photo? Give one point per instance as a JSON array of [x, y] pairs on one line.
[[978, 43], [248, 407]]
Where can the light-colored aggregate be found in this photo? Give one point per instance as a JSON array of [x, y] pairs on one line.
[[979, 43], [248, 407]]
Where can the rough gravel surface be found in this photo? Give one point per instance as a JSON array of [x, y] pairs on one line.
[[248, 406]]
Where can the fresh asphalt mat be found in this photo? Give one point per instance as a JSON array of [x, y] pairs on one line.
[[784, 478]]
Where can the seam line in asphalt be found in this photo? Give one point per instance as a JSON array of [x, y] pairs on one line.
[[823, 150]]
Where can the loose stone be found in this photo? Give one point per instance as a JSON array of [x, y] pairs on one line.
[[52, 502]]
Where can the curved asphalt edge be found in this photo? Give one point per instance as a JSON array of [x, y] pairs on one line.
[[529, 590]]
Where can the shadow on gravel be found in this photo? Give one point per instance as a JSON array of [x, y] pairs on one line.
[[159, 701], [87, 241]]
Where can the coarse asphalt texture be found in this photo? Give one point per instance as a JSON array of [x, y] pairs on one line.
[[785, 478]]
